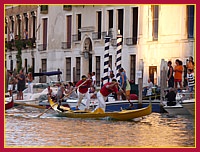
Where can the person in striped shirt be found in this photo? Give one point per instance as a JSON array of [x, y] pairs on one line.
[[191, 81]]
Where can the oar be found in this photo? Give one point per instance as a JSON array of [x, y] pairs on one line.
[[30, 105], [125, 96], [47, 109], [62, 98]]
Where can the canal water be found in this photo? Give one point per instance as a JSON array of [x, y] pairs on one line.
[[24, 129]]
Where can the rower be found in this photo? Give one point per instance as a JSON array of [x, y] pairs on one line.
[[49, 91], [60, 95]]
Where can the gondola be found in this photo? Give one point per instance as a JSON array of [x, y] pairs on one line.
[[99, 113]]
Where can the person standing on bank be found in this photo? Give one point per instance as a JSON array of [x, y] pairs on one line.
[[10, 83], [170, 77], [21, 84], [191, 82], [178, 69], [83, 91], [29, 81], [190, 63], [107, 89]]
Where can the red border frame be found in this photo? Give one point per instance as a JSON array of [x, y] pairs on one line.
[[90, 2]]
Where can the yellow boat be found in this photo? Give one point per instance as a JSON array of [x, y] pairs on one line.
[[99, 113]]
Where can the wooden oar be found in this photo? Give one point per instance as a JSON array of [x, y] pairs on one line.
[[126, 97], [30, 105], [62, 98]]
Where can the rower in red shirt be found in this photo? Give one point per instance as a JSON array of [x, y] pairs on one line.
[[107, 89], [83, 91]]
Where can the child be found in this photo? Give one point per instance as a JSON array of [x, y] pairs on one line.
[[191, 81]]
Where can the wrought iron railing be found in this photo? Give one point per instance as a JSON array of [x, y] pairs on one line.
[[96, 35], [131, 41], [44, 9], [113, 42], [76, 37], [42, 47], [66, 45], [110, 34], [67, 7]]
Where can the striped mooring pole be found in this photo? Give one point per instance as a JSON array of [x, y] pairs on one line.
[[106, 59], [118, 54]]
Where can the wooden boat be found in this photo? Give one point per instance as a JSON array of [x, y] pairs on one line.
[[9, 104], [99, 113]]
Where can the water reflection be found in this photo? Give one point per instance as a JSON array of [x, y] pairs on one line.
[[25, 129]]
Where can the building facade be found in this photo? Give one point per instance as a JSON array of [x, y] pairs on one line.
[[71, 38]]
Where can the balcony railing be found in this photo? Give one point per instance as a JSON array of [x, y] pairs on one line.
[[131, 41], [42, 47], [113, 42], [22, 43], [96, 35], [44, 9], [32, 43], [8, 45], [66, 45], [110, 34], [67, 7], [76, 37]]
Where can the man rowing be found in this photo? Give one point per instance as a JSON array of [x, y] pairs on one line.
[[60, 95], [83, 91], [107, 89]]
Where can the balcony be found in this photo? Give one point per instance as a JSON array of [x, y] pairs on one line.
[[76, 37], [67, 7], [42, 47], [28, 43], [32, 43], [110, 34], [113, 42], [96, 35], [66, 45], [8, 45], [44, 9], [131, 41]]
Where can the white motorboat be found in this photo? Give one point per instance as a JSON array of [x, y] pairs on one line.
[[189, 105], [184, 99], [177, 109]]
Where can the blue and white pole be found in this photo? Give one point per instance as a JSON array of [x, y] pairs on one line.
[[119, 55], [106, 59]]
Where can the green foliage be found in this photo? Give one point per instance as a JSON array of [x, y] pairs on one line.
[[19, 44], [30, 69], [29, 43]]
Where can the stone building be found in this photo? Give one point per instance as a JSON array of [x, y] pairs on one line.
[[71, 37]]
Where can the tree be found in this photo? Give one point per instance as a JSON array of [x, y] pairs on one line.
[[19, 45]]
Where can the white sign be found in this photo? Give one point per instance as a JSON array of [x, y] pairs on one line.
[[139, 74]]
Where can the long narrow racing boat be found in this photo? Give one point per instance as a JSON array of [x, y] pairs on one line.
[[99, 113]]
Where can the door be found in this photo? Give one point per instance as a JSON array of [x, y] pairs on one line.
[[153, 74]]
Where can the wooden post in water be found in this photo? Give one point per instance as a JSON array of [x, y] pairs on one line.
[[140, 80], [163, 78], [165, 75]]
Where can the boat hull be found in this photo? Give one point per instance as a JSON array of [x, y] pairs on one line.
[[178, 109], [118, 105], [122, 115], [189, 105], [9, 104]]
